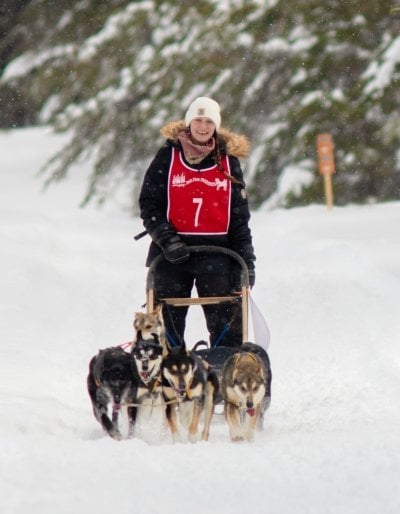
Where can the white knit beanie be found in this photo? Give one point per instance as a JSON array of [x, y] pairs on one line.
[[204, 107]]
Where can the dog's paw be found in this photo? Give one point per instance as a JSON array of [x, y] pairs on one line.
[[237, 439], [237, 433], [110, 428], [193, 437], [250, 437], [205, 435], [131, 431], [176, 437], [115, 433]]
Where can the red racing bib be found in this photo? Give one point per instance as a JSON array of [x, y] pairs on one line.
[[198, 201]]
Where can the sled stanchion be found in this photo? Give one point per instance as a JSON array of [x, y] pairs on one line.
[[150, 300], [244, 279], [245, 314]]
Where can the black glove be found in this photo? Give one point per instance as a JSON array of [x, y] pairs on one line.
[[175, 250], [236, 278], [252, 277]]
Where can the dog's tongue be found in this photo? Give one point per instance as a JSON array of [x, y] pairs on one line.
[[251, 412]]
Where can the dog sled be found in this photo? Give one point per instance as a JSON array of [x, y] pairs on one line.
[[242, 295], [217, 355], [260, 328]]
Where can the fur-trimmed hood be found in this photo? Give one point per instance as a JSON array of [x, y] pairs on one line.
[[237, 145]]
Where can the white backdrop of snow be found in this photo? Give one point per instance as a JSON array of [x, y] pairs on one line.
[[328, 283]]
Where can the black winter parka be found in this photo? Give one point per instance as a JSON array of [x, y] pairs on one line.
[[153, 199]]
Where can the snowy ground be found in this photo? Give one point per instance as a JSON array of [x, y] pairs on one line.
[[329, 286]]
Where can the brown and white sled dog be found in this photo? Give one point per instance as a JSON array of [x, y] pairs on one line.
[[246, 391], [150, 325], [189, 390]]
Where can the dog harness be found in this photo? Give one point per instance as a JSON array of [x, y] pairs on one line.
[[199, 201]]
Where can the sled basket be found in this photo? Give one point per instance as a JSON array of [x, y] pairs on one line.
[[243, 294]]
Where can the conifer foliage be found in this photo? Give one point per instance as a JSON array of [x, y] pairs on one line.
[[111, 73]]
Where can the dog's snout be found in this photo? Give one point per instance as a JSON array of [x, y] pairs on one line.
[[249, 403], [181, 387]]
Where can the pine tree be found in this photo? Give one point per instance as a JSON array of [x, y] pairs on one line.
[[112, 73]]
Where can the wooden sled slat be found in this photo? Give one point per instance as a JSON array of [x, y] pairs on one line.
[[206, 300]]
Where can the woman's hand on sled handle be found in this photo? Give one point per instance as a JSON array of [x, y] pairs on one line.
[[236, 278], [252, 277], [175, 250]]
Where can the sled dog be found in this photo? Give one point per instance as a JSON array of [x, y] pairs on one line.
[[189, 389], [147, 355], [111, 384], [150, 326], [246, 391]]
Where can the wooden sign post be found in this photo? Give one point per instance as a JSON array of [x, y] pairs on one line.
[[326, 164]]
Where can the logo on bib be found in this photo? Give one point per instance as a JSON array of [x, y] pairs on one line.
[[180, 180]]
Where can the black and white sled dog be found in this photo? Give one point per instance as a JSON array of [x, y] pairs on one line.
[[147, 351], [147, 356], [246, 390], [150, 418], [189, 388], [112, 386]]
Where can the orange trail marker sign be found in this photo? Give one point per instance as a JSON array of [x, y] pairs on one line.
[[326, 164]]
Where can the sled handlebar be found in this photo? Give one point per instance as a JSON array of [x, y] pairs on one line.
[[244, 285], [244, 275]]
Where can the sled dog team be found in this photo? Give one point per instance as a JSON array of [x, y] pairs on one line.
[[186, 383]]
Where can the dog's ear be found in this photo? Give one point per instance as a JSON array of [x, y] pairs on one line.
[[137, 316], [235, 374], [158, 309]]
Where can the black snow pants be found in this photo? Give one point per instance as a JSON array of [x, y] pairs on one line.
[[223, 320]]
